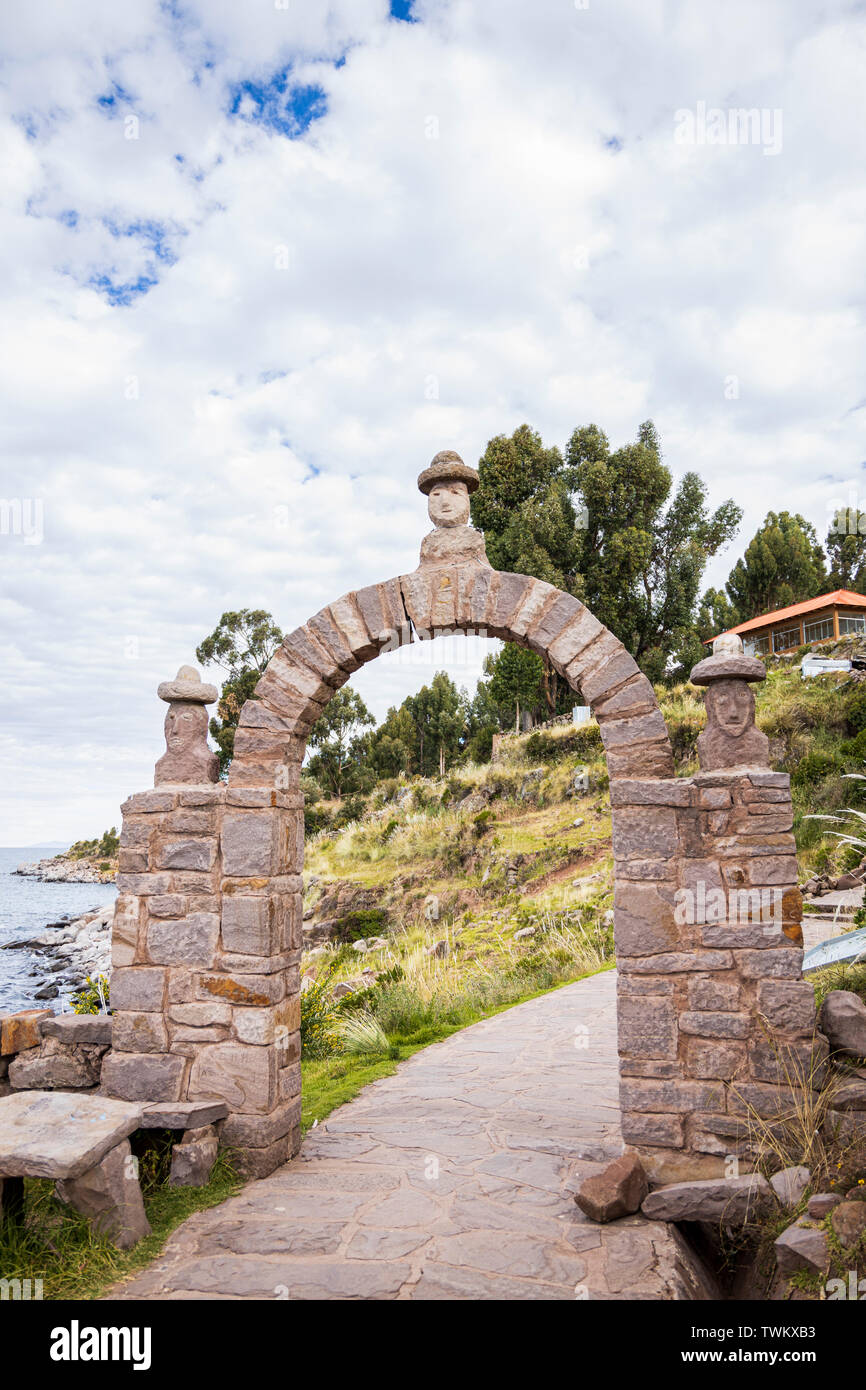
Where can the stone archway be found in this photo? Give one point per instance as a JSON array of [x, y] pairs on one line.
[[207, 934]]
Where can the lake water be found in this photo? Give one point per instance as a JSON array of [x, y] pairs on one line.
[[26, 906]]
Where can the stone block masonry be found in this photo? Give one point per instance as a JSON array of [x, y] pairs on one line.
[[206, 946], [206, 954]]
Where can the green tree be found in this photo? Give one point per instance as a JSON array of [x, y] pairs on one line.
[[609, 527], [515, 684], [392, 748], [242, 644], [516, 475], [716, 614], [783, 564], [644, 548], [439, 714], [846, 550], [339, 755]]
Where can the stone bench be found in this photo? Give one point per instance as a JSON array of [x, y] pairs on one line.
[[82, 1142]]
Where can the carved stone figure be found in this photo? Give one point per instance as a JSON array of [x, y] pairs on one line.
[[447, 484], [730, 738], [187, 757]]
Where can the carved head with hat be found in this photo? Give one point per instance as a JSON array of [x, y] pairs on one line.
[[447, 484], [187, 757]]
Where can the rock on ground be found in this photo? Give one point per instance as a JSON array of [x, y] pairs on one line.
[[801, 1247], [790, 1184], [843, 1021], [616, 1192], [731, 1201]]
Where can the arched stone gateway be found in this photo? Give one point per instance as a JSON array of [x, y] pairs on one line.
[[712, 1010]]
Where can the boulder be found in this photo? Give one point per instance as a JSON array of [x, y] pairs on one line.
[[848, 1220], [821, 1204], [843, 1021], [109, 1195], [616, 1192], [801, 1247], [790, 1184], [192, 1160], [731, 1201], [524, 933]]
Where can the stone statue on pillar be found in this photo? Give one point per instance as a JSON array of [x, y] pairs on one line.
[[187, 757], [731, 738], [447, 483]]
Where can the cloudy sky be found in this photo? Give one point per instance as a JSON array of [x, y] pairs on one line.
[[262, 261]]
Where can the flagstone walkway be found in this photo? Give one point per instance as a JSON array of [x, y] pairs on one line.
[[452, 1179]]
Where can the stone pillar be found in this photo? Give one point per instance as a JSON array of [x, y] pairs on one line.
[[715, 1019], [206, 942]]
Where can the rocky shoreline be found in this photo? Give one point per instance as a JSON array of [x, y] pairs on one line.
[[67, 951], [61, 869]]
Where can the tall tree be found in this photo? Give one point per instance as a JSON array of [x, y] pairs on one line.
[[392, 748], [242, 644], [439, 714], [644, 550], [515, 476], [783, 564], [716, 614], [339, 751], [515, 685], [846, 550]]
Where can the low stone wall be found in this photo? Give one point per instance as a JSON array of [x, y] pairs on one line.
[[41, 1051]]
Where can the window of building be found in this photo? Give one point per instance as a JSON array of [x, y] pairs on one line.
[[789, 638], [820, 631], [857, 624], [756, 646]]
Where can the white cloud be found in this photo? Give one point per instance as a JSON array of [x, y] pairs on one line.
[[492, 223]]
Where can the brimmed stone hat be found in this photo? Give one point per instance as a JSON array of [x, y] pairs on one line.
[[187, 686], [448, 467], [728, 662]]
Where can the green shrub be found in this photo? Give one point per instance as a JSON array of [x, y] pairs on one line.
[[359, 925], [92, 997], [855, 710], [105, 847], [582, 740], [813, 768], [319, 1019]]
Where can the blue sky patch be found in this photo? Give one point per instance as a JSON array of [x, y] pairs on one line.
[[280, 106], [153, 235], [402, 9], [122, 292], [115, 96]]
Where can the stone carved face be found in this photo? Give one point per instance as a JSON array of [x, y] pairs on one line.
[[448, 504], [731, 707], [185, 727]]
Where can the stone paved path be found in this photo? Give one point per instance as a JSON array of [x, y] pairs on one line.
[[452, 1179]]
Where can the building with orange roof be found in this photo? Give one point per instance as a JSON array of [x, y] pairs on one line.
[[824, 619]]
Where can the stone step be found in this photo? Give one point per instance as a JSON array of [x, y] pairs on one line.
[[183, 1114]]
